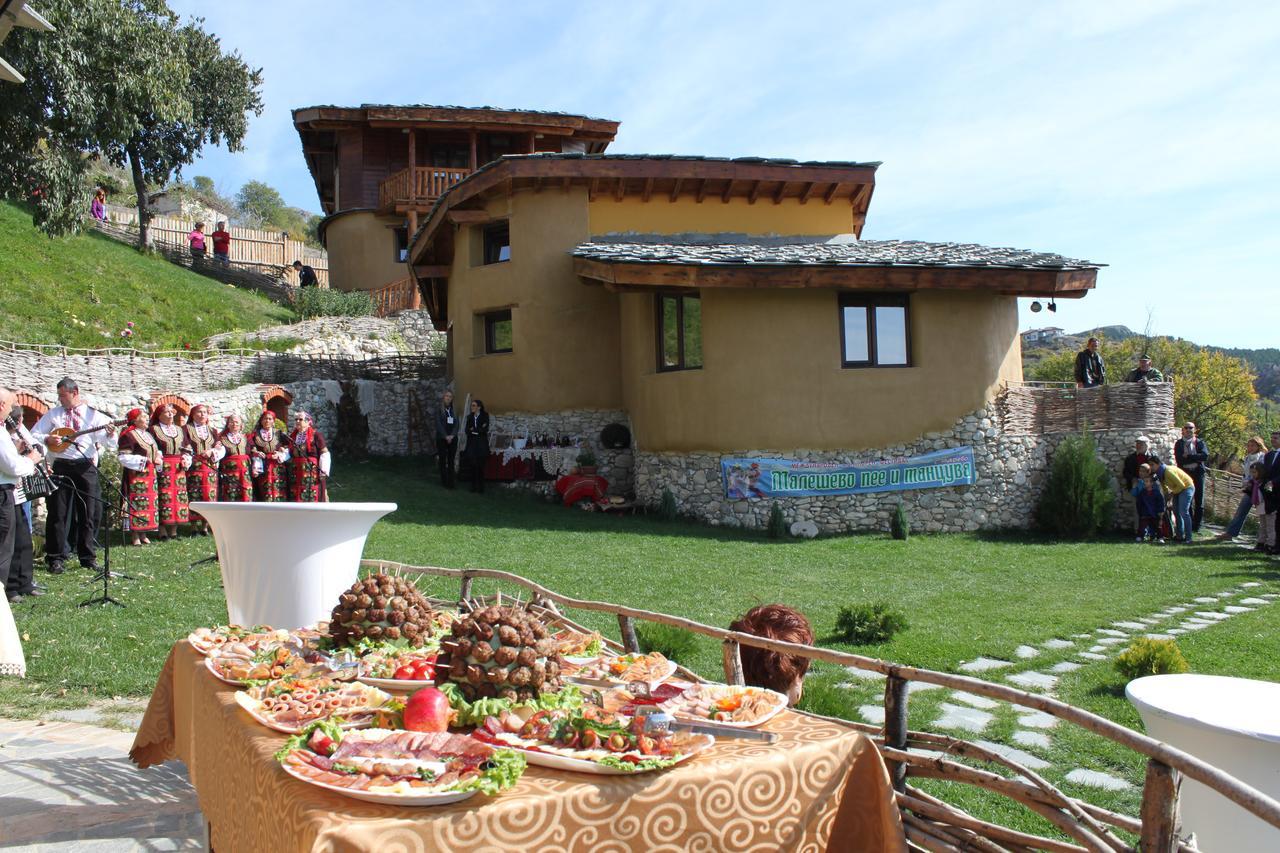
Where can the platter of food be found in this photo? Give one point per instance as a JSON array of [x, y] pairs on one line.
[[579, 644], [607, 671], [207, 640], [399, 670], [290, 705], [236, 663], [589, 740], [399, 767], [728, 705]]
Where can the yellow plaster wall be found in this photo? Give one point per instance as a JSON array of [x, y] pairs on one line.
[[660, 215], [564, 333], [772, 378], [361, 249]]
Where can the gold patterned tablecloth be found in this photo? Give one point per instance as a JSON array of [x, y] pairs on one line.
[[821, 786]]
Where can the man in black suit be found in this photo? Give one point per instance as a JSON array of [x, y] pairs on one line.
[[1190, 454]]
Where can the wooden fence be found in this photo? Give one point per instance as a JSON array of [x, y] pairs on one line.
[[1222, 493], [930, 822], [269, 252], [1041, 408], [399, 295]]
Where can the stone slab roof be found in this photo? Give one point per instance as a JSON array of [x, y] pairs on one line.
[[556, 113], [842, 250]]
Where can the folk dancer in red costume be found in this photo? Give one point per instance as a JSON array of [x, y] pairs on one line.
[[269, 448], [202, 477], [139, 458], [311, 461], [171, 476], [235, 484]]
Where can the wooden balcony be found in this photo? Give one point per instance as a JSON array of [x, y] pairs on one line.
[[417, 188]]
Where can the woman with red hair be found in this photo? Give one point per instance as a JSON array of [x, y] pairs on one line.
[[202, 477], [171, 476], [769, 669], [234, 481], [139, 456]]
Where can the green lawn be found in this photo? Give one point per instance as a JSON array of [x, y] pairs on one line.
[[81, 291], [964, 596]]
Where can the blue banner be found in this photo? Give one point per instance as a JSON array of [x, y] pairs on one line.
[[753, 479]]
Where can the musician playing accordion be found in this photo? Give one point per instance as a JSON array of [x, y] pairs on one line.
[[16, 461]]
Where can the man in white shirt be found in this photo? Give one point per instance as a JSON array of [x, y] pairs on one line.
[[13, 467], [76, 469]]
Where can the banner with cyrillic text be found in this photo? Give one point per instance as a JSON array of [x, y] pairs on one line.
[[753, 479]]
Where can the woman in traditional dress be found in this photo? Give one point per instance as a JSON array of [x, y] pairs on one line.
[[202, 477], [171, 476], [139, 458], [269, 448], [235, 484], [310, 461]]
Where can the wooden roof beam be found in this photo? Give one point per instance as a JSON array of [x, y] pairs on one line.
[[755, 192], [780, 192], [470, 217], [675, 189], [702, 190], [830, 194], [619, 188], [808, 192], [728, 191], [648, 190], [593, 189]]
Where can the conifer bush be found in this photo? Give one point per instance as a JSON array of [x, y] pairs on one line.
[[1079, 500], [777, 524], [1150, 657], [667, 510], [900, 524], [864, 624]]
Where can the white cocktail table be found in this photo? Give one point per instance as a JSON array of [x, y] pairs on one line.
[[285, 564], [1233, 724]]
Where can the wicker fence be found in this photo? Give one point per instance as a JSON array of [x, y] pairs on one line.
[[1042, 408], [932, 823], [1222, 493]]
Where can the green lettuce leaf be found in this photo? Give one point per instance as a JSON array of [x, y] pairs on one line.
[[299, 741], [636, 766], [474, 713]]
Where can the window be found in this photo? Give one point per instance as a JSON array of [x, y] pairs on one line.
[[497, 331], [679, 327], [875, 331], [497, 243], [402, 244]]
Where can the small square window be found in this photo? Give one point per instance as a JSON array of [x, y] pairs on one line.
[[497, 331], [875, 330], [497, 243]]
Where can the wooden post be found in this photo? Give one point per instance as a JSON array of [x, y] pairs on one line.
[[532, 142], [732, 653], [1161, 822], [474, 164], [895, 727], [465, 592], [628, 631], [413, 164]]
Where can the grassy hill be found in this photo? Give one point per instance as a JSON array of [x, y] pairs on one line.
[[82, 291]]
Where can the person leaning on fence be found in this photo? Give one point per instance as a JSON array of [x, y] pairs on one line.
[[1179, 486], [1090, 370], [1254, 451], [769, 669], [1141, 455], [306, 275], [196, 241], [1144, 372], [222, 244]]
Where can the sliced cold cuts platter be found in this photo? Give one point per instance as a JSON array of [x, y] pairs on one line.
[[291, 705], [619, 671]]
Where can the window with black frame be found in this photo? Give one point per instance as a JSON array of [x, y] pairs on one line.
[[497, 331], [678, 321], [497, 242], [402, 244], [875, 330]]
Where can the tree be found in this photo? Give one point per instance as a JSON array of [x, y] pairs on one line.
[[124, 80], [260, 203], [203, 184]]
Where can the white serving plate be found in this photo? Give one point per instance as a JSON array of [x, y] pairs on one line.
[[583, 765], [254, 708], [209, 665], [428, 799], [780, 703], [614, 682], [395, 685]]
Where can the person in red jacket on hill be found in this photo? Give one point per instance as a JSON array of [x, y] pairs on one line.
[[222, 244]]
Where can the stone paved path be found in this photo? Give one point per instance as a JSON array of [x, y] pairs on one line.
[[67, 786]]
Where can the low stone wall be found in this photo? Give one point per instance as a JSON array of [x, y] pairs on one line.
[[1011, 474]]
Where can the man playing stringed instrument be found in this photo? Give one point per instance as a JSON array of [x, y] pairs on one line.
[[73, 431]]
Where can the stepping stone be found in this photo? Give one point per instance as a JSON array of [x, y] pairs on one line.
[[1206, 600], [1233, 608], [1082, 636], [1158, 636], [1269, 595], [975, 700], [1254, 601], [984, 664], [1033, 719], [864, 674], [1228, 593], [1174, 611], [1055, 643], [873, 714], [1033, 680], [1132, 626], [1176, 631], [1211, 614], [1026, 759], [1039, 739], [1065, 666], [919, 686], [1026, 652], [1147, 620], [1111, 641], [1097, 649], [1110, 633], [1195, 626], [1098, 779], [1250, 585], [1093, 656], [962, 717]]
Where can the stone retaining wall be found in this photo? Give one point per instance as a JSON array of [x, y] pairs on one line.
[[1011, 473]]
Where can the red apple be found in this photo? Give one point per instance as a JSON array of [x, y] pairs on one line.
[[427, 711]]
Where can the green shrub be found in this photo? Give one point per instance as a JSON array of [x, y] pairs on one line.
[[1150, 657], [777, 524], [324, 302], [864, 624], [900, 525], [667, 510], [673, 643], [1079, 500]]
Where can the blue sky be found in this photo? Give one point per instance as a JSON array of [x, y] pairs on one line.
[[1144, 135]]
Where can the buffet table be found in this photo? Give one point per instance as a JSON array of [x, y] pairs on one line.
[[821, 786]]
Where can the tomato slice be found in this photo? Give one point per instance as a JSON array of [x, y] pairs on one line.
[[406, 673]]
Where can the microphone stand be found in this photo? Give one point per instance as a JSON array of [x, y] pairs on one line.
[[104, 574]]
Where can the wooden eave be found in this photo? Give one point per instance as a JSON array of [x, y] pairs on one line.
[[654, 277]]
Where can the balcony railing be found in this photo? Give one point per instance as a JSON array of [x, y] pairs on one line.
[[399, 295], [420, 186]]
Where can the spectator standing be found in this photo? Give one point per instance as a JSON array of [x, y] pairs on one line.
[[1140, 456], [1254, 451], [222, 244], [1271, 479], [1178, 485], [446, 439], [1150, 507], [1144, 372], [196, 241], [1190, 454], [1090, 370], [306, 275], [477, 449], [99, 205]]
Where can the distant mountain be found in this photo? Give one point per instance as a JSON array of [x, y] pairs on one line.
[[1109, 333]]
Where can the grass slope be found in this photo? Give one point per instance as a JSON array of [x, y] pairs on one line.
[[81, 291]]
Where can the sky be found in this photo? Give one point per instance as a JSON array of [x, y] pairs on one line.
[[1141, 135]]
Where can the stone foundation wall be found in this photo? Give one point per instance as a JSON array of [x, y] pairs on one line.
[[1011, 473]]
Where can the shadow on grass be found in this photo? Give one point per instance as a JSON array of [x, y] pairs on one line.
[[1107, 691]]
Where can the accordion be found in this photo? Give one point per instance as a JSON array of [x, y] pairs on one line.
[[39, 484]]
